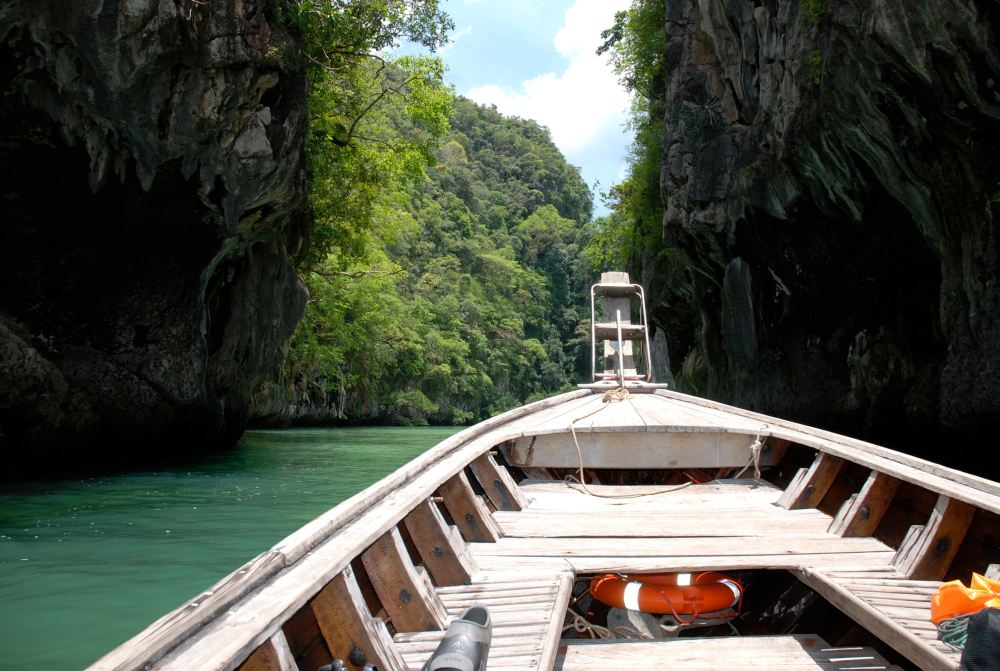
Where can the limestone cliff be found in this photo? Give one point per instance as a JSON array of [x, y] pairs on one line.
[[831, 237], [152, 185]]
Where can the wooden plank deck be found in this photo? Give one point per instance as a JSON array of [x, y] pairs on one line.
[[720, 525], [734, 524], [891, 606], [527, 609], [748, 653]]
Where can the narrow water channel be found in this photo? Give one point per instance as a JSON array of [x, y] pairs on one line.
[[85, 564]]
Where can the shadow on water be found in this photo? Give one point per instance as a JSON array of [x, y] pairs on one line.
[[87, 563]]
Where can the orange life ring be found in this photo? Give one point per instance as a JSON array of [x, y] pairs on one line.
[[707, 595]]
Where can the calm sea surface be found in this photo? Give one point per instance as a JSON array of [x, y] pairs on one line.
[[85, 564]]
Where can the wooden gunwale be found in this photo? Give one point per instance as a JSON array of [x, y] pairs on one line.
[[447, 458], [979, 492]]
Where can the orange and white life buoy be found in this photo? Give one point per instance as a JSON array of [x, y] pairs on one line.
[[707, 595]]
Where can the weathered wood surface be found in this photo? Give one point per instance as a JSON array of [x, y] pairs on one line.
[[717, 525], [861, 513], [753, 653], [640, 412], [273, 655], [928, 551], [441, 547], [559, 496], [346, 624], [903, 624], [527, 609], [641, 450], [734, 508], [467, 510], [384, 504], [810, 485], [312, 557], [711, 526], [409, 601], [499, 486]]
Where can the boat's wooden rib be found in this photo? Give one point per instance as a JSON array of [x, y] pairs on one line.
[[897, 626], [497, 483], [759, 653], [440, 546], [274, 655], [862, 512], [934, 545], [468, 511], [410, 602], [346, 624], [810, 485]]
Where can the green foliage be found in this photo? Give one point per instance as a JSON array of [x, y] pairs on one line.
[[636, 44], [335, 31], [698, 118], [352, 90], [813, 9], [815, 65], [460, 287]]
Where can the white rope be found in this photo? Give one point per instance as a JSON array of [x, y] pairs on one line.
[[755, 449], [582, 625], [612, 396]]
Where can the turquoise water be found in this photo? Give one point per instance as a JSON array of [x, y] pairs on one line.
[[86, 564]]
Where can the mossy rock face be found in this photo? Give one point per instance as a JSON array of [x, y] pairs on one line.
[[853, 187], [152, 176]]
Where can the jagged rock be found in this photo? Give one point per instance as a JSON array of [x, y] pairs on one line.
[[152, 178], [847, 162]]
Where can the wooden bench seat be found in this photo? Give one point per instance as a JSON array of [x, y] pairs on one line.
[[719, 525], [892, 607], [527, 609], [741, 653]]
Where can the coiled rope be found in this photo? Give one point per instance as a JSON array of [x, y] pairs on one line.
[[954, 631]]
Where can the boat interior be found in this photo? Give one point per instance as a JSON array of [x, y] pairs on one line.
[[838, 545]]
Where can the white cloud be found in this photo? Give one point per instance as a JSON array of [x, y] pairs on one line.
[[580, 104], [453, 38]]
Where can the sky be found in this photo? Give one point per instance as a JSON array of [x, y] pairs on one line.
[[536, 59]]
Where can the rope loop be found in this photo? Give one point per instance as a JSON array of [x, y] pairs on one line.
[[755, 449]]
